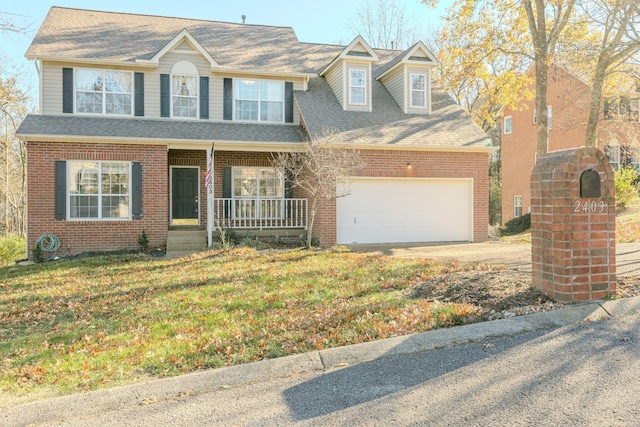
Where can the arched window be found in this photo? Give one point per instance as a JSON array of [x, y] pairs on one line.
[[184, 90]]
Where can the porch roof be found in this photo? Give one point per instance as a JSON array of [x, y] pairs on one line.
[[48, 126]]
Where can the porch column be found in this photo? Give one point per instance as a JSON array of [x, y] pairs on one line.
[[209, 180]]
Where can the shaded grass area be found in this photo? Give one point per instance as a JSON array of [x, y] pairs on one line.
[[102, 321], [12, 248]]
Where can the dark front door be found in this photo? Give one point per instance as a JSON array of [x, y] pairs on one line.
[[184, 196]]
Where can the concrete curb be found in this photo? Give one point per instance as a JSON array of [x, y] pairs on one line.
[[156, 391]]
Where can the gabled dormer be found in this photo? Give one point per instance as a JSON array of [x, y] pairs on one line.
[[408, 79], [350, 75]]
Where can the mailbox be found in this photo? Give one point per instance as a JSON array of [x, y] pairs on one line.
[[590, 183]]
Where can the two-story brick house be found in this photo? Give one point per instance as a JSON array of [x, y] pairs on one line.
[[568, 98], [134, 109]]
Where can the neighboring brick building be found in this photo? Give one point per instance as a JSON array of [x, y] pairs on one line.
[[568, 98], [131, 121]]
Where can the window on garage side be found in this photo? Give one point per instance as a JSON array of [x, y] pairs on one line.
[[517, 206]]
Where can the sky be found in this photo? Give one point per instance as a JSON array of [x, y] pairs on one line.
[[326, 24]]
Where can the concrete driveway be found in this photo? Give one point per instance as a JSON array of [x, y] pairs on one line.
[[492, 252]]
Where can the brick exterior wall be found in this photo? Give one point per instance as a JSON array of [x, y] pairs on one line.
[[86, 236], [424, 164], [573, 237], [569, 99]]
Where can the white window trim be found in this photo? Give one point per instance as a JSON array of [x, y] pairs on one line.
[[425, 90], [104, 92], [505, 125], [259, 81], [99, 194], [197, 96], [616, 148], [364, 87], [517, 205], [257, 198]]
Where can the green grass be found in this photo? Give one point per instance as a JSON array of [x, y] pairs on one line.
[[97, 322], [12, 248]]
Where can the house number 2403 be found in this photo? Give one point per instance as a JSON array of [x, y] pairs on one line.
[[589, 206]]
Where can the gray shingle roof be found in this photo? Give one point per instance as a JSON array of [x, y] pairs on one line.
[[447, 127], [120, 37], [171, 130]]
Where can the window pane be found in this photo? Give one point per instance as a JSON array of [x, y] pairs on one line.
[[89, 102], [417, 82], [115, 206], [185, 85], [118, 81], [417, 99], [118, 103], [246, 110], [247, 89], [357, 78], [185, 106], [271, 91], [83, 207], [245, 182], [357, 95], [89, 80], [83, 177], [271, 111]]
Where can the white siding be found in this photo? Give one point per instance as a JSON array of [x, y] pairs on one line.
[[52, 88], [394, 82], [336, 79]]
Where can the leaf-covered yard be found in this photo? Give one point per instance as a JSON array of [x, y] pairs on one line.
[[102, 321]]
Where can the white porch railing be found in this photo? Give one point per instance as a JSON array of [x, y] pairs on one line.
[[260, 213]]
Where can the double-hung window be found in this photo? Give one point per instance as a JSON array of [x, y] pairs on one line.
[[357, 87], [184, 95], [517, 206], [99, 190], [418, 90], [258, 193], [103, 92], [259, 100], [508, 124], [613, 152]]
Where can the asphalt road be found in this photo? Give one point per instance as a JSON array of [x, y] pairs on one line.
[[584, 374]]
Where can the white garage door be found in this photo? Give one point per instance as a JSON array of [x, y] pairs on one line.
[[405, 210]]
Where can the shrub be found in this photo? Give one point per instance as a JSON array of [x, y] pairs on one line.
[[517, 225], [143, 241], [12, 248], [626, 187]]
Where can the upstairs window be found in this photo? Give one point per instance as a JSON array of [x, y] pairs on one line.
[[508, 123], [418, 90], [259, 100], [622, 108], [184, 90], [357, 87], [103, 92]]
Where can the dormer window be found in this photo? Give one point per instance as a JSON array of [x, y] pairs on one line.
[[357, 87], [418, 90], [184, 90], [103, 92]]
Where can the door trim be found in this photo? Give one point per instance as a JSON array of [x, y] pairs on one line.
[[171, 192]]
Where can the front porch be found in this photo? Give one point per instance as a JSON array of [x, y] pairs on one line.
[[234, 190]]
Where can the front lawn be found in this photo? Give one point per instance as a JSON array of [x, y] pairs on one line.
[[98, 322]]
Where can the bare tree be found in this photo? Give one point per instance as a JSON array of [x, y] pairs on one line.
[[323, 172], [385, 24]]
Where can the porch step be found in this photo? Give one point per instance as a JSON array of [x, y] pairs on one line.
[[186, 241]]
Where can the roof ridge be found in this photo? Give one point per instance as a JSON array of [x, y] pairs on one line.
[[169, 17]]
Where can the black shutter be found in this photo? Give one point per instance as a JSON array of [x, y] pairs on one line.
[[165, 101], [288, 102], [61, 189], [136, 190], [138, 88], [204, 97], [228, 99], [226, 190], [67, 90]]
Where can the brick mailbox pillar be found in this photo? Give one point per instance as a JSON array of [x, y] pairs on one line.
[[573, 224]]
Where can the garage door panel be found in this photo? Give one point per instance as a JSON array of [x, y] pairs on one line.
[[405, 210]]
